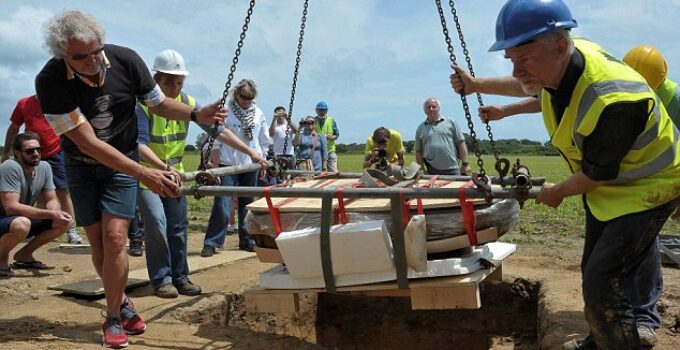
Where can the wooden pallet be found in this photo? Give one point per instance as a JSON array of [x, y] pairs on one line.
[[452, 292]]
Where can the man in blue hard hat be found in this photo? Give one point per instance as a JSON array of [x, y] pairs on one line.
[[618, 141], [325, 125]]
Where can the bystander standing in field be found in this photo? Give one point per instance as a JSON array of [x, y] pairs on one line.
[[439, 145], [246, 120], [327, 127], [312, 147], [618, 142]]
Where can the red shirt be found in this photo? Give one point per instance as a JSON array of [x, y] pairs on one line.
[[28, 111]]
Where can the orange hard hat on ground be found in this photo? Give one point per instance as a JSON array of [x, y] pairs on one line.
[[649, 62]]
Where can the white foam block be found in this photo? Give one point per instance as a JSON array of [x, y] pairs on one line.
[[280, 278], [356, 248]]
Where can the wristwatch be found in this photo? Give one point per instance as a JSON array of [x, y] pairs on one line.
[[464, 164], [193, 114]]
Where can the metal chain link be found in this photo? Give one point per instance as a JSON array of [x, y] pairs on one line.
[[472, 72], [232, 69], [295, 75], [463, 98]]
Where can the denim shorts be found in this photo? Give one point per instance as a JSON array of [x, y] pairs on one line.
[[96, 189], [37, 225], [58, 170]]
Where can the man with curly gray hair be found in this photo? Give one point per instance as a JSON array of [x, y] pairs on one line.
[[88, 92]]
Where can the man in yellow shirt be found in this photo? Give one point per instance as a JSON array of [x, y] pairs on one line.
[[383, 148]]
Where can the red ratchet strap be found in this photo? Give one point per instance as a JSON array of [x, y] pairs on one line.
[[405, 208], [273, 211], [339, 214], [468, 211], [419, 201]]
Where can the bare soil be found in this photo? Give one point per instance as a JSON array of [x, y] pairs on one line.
[[538, 305]]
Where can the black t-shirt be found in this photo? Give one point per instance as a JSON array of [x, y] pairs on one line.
[[109, 108]]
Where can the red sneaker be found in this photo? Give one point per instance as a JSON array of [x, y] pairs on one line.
[[114, 336], [132, 323]]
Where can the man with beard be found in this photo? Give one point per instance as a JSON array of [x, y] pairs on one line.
[[23, 180], [619, 142]]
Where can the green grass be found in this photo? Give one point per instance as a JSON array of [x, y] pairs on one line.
[[539, 225]]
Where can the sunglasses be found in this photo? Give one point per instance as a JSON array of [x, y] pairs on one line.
[[82, 56], [32, 150], [309, 123]]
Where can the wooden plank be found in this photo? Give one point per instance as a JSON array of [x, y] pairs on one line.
[[269, 255], [140, 277], [465, 296], [94, 287], [497, 274], [302, 205], [267, 302], [444, 245]]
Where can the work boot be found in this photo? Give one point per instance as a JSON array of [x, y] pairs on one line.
[[188, 288], [132, 323], [136, 247], [647, 336], [586, 343], [167, 291], [114, 336]]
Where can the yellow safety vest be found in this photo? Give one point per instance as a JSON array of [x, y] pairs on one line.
[[167, 138], [325, 130], [670, 97], [649, 174]]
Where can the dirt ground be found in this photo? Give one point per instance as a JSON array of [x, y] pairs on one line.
[[539, 300]]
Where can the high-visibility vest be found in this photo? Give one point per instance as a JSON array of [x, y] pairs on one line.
[[325, 130], [649, 174], [669, 93], [167, 137]]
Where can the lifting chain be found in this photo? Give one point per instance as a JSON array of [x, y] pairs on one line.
[[295, 75], [472, 72], [463, 98], [232, 69]]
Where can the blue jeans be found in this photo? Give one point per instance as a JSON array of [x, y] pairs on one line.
[[615, 252], [219, 217], [165, 237]]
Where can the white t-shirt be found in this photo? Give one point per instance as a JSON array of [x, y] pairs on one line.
[[279, 138], [260, 141]]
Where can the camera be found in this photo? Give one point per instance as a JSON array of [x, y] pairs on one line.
[[382, 153]]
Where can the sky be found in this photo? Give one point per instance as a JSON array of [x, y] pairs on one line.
[[373, 61]]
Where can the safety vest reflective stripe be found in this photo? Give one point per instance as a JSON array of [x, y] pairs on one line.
[[647, 137], [659, 163], [168, 138], [669, 92]]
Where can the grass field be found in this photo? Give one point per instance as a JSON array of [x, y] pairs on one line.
[[539, 224]]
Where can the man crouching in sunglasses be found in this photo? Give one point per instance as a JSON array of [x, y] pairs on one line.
[[24, 180]]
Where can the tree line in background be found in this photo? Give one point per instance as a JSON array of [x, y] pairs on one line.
[[505, 146]]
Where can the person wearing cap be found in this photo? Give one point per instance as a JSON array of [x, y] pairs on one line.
[[617, 140], [282, 133], [325, 125], [383, 148], [88, 92]]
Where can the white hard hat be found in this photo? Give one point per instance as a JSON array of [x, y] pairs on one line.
[[170, 62]]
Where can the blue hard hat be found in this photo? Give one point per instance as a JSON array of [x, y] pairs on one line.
[[522, 20], [321, 105]]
